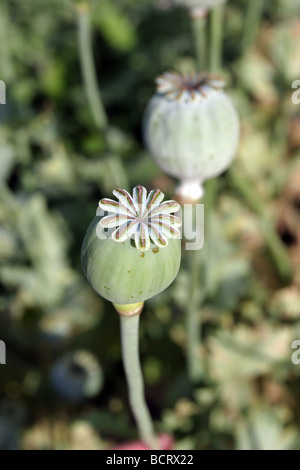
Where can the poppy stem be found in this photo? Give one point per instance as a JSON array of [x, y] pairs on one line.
[[199, 25], [134, 376], [88, 67], [193, 320], [216, 38]]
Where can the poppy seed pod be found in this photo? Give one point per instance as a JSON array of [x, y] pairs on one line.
[[133, 252], [206, 4], [77, 376], [191, 128]]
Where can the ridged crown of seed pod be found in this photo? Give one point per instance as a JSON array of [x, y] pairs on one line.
[[132, 248], [206, 4], [191, 128]]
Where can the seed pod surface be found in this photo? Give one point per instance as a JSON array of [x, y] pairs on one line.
[[124, 267], [191, 127]]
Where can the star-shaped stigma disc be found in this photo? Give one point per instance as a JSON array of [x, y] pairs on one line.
[[141, 217]]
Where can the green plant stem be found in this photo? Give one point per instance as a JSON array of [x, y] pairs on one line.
[[216, 38], [88, 67], [197, 292], [276, 248], [252, 24], [199, 26], [211, 189], [133, 372], [200, 289], [92, 91], [193, 320]]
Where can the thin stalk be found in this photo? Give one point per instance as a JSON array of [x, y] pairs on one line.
[[275, 245], [211, 189], [134, 377], [252, 23], [198, 290], [92, 90], [216, 38], [199, 26], [193, 320], [88, 67]]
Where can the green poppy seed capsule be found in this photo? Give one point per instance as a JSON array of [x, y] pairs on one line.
[[191, 128], [205, 4], [132, 252]]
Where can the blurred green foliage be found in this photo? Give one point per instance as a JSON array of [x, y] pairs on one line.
[[55, 166]]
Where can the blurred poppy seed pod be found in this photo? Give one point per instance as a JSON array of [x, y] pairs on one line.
[[134, 252], [77, 376], [205, 4], [191, 129], [8, 435]]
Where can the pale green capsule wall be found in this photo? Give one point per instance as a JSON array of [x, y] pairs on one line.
[[121, 273], [195, 139]]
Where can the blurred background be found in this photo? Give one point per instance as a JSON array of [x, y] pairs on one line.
[[63, 385]]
